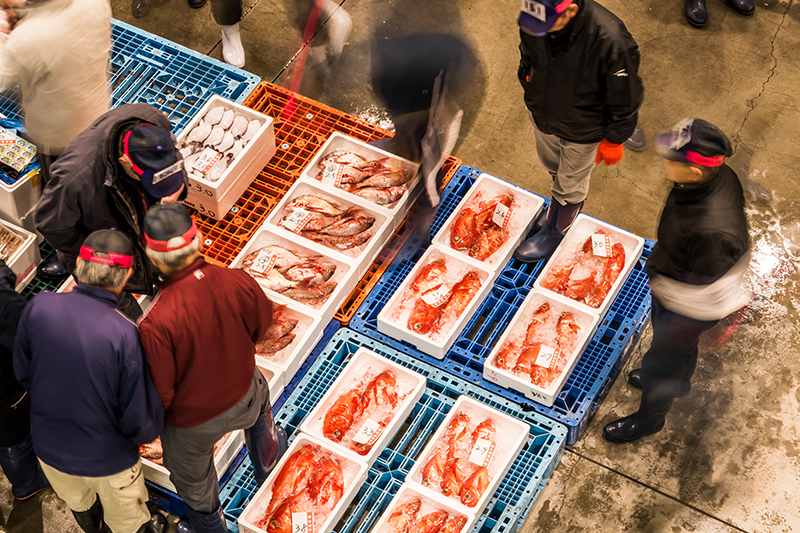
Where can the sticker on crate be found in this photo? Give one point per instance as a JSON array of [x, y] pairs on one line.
[[469, 455], [411, 510], [310, 487], [365, 406]]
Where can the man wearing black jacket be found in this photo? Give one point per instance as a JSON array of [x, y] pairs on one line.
[[696, 269], [579, 69]]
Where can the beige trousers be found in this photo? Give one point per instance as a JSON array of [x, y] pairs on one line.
[[123, 495]]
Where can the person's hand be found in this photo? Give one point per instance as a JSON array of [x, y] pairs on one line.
[[6, 22], [173, 198], [609, 153]]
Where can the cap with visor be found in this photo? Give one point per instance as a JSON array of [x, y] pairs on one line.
[[164, 222], [695, 141], [154, 159], [108, 247], [538, 17]]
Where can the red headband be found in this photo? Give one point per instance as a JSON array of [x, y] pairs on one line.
[[114, 260], [136, 168], [560, 8], [161, 246], [703, 161]]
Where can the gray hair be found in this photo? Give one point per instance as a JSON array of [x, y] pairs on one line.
[[99, 275], [176, 258]]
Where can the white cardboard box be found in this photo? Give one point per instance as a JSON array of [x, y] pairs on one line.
[[364, 366], [429, 503], [516, 330], [355, 473], [338, 141], [19, 198], [583, 227], [214, 199], [393, 318], [26, 258], [274, 380], [511, 435]]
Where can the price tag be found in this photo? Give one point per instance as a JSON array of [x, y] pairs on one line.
[[683, 133], [482, 452], [303, 522], [547, 356], [534, 9], [8, 136], [297, 220], [436, 296], [369, 433], [601, 245], [207, 159], [502, 215], [332, 174], [263, 263]]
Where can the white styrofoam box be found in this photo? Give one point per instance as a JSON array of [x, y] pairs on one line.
[[363, 256], [355, 474], [524, 210], [393, 318], [510, 437], [308, 332], [19, 198], [274, 380], [338, 141], [344, 276], [362, 368], [26, 222], [429, 503], [516, 330], [214, 199], [68, 285], [26, 257], [227, 449], [582, 229]]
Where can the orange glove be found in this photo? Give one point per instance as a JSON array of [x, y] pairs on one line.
[[609, 153]]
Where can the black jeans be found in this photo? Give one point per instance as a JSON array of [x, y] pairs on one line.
[[226, 12], [14, 420]]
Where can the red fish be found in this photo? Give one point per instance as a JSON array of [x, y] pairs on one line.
[[429, 277], [353, 223], [424, 316], [293, 475], [538, 319], [274, 346], [454, 525], [280, 521], [326, 483], [463, 234], [311, 295], [281, 324], [461, 295], [474, 487], [310, 273], [527, 359], [433, 471], [490, 239], [430, 523], [381, 390], [558, 278], [457, 432], [339, 242], [486, 430], [507, 358], [567, 330], [403, 515], [456, 472], [610, 274], [484, 217], [341, 415]]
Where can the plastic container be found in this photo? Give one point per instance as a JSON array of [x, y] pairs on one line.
[[515, 332], [19, 199], [214, 199], [364, 366], [26, 257], [355, 473], [583, 228], [393, 318], [497, 455], [429, 503], [274, 380], [524, 210]]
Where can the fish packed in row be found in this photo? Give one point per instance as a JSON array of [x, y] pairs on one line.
[[9, 243], [153, 451], [481, 228], [279, 335], [407, 518], [381, 181]]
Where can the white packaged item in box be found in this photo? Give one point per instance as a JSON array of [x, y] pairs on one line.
[[560, 330], [585, 258], [19, 198], [248, 153], [427, 312], [504, 213], [307, 206], [410, 506], [23, 256], [487, 443], [308, 331], [331, 174], [254, 518], [366, 377], [321, 299], [274, 380], [226, 450]]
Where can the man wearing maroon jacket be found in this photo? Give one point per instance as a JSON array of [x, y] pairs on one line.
[[199, 338]]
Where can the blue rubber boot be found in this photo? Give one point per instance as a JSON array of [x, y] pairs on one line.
[[559, 219], [22, 469], [202, 523], [266, 444]]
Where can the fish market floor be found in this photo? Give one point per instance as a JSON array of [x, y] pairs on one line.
[[728, 457]]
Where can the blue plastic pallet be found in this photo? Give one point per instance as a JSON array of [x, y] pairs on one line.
[[596, 369], [175, 79], [505, 511]]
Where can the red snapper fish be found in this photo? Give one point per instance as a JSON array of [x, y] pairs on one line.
[[430, 523], [461, 295], [454, 525], [463, 234], [424, 316], [474, 487], [293, 475], [341, 415], [403, 516], [280, 521], [611, 272], [429, 277], [326, 483]]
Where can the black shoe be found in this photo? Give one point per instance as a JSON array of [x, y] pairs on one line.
[[53, 269], [743, 7], [559, 219], [635, 381], [636, 141], [91, 521], [696, 13], [156, 524], [632, 427], [196, 3]]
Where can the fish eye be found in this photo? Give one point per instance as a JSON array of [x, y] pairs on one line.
[[336, 433], [456, 239]]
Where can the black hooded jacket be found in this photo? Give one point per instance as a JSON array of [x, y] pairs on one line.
[[11, 307]]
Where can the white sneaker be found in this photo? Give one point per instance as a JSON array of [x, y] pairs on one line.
[[232, 49]]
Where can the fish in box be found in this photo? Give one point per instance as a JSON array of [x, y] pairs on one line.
[[381, 181], [414, 512]]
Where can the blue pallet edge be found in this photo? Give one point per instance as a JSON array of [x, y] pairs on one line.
[[594, 372], [505, 511]]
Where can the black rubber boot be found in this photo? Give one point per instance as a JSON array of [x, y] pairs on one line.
[[559, 219], [266, 443], [202, 523], [696, 13], [635, 381], [53, 269], [647, 420], [22, 469], [91, 521], [156, 524], [743, 7]]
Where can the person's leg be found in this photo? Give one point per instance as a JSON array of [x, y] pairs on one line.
[[81, 499], [124, 498], [266, 442], [228, 13], [17, 457]]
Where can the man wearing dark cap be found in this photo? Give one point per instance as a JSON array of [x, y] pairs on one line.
[[696, 269], [92, 400], [199, 338], [108, 177], [579, 69]]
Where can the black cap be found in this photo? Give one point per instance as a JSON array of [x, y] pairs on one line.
[[695, 141], [109, 247], [167, 221], [154, 159]]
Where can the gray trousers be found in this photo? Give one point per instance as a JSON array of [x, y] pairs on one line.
[[226, 12], [570, 164], [189, 452]]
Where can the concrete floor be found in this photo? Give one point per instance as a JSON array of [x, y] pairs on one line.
[[728, 458]]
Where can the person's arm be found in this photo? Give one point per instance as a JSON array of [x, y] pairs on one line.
[[260, 309], [22, 351], [160, 359], [711, 255], [58, 213], [9, 67], [625, 92], [141, 412], [12, 304]]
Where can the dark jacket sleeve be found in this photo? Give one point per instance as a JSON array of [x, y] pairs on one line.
[[141, 412], [712, 254], [58, 213], [259, 319], [157, 347], [22, 351], [625, 93], [11, 306]]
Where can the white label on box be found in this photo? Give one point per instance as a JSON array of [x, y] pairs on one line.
[[368, 433], [601, 245], [297, 220], [547, 356], [303, 522], [8, 136], [436, 296], [482, 452], [534, 9], [502, 215], [207, 159], [263, 263], [333, 174]]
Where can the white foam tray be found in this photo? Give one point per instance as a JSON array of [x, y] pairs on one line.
[[587, 321], [362, 256], [18, 199], [510, 439], [337, 141], [355, 474], [26, 258], [429, 503], [393, 317], [274, 380], [214, 199], [524, 210], [345, 275], [583, 227], [364, 366], [227, 449]]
